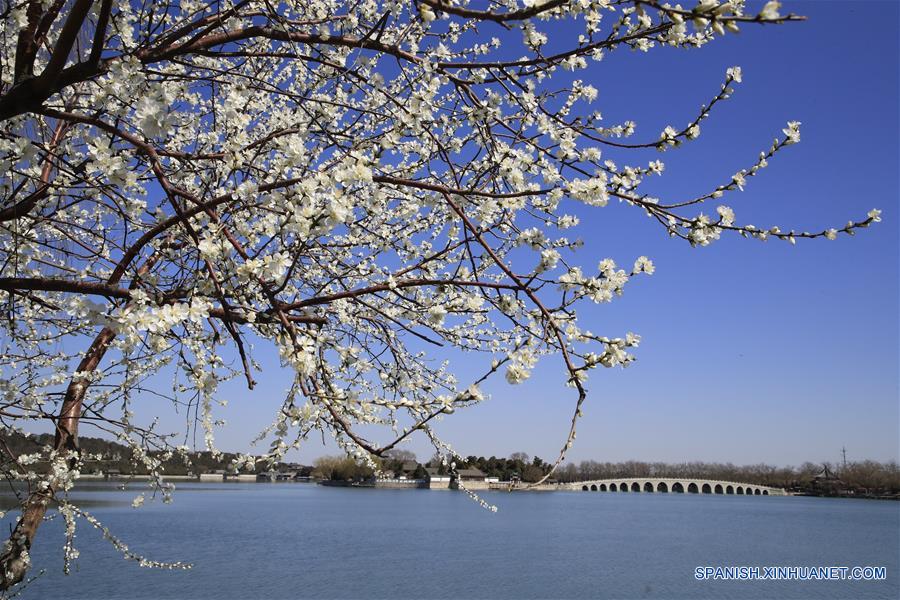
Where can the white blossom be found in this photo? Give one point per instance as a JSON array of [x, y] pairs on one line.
[[792, 132], [770, 10]]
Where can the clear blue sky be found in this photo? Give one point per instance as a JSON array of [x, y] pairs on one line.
[[752, 352]]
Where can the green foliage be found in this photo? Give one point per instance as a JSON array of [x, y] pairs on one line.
[[517, 466], [341, 468]]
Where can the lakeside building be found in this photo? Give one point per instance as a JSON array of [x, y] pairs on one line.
[[472, 478], [217, 475], [437, 480]]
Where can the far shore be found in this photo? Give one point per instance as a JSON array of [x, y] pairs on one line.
[[444, 484]]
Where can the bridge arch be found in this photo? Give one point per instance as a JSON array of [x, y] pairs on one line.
[[765, 492], [623, 487], [584, 488], [593, 487], [677, 488], [662, 488], [648, 487], [692, 488], [729, 490], [718, 488], [740, 490], [613, 488], [757, 492], [602, 487], [706, 489], [635, 487]]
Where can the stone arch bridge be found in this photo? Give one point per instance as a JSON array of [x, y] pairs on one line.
[[676, 485]]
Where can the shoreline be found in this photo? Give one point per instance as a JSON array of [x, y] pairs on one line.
[[442, 484], [480, 487]]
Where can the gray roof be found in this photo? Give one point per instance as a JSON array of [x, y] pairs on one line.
[[470, 472], [461, 472]]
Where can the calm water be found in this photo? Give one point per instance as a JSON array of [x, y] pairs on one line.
[[307, 541]]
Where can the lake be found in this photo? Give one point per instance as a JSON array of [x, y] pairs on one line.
[[293, 540]]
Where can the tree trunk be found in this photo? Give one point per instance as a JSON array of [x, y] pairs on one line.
[[15, 559]]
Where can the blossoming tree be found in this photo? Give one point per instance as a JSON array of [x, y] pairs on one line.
[[365, 185]]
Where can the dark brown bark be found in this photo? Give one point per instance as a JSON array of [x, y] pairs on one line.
[[14, 562], [26, 45]]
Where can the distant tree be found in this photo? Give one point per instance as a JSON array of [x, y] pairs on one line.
[[393, 461], [519, 457], [568, 473], [324, 467], [532, 473], [808, 470], [341, 468]]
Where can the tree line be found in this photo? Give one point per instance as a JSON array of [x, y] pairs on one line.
[[399, 462], [106, 455], [518, 466], [867, 475]]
